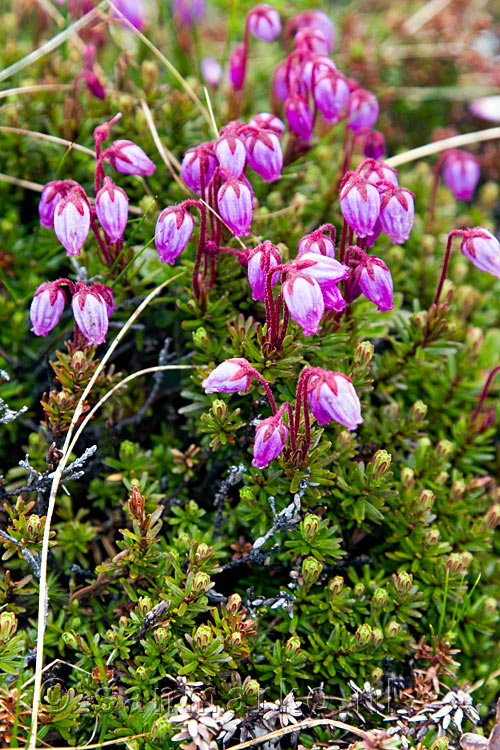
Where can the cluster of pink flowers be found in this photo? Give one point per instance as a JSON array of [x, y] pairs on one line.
[[92, 307], [65, 206], [328, 395]]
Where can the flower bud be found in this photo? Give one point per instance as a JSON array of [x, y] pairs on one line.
[[335, 585], [402, 582], [128, 158], [317, 242], [265, 155], [111, 205], [376, 171], [91, 314], [69, 639], [359, 590], [375, 282], [260, 261], [442, 478], [331, 93], [374, 144], [270, 439], [251, 689], [201, 582], [72, 222], [144, 605], [432, 537], [362, 109], [318, 20], [376, 676], [236, 639], [304, 300], [264, 22], [444, 449], [363, 353], [203, 553], [360, 205], [34, 526], [397, 211], [482, 248], [161, 636], [198, 162], [457, 490], [292, 647], [381, 463], [417, 413], [426, 501], [492, 517], [310, 526], [299, 116], [8, 626], [454, 564], [377, 638], [47, 307], [233, 604], [235, 202], [203, 637], [392, 630], [407, 477], [461, 172], [161, 728], [363, 634], [311, 570], [231, 376], [331, 395], [51, 195], [173, 232], [267, 121], [237, 66], [380, 598], [231, 153]]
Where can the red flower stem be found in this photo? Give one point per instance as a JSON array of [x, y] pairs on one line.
[[444, 270], [106, 258], [284, 326], [199, 251], [267, 389], [307, 422], [437, 173], [484, 392], [293, 441], [272, 309], [343, 238], [328, 228]]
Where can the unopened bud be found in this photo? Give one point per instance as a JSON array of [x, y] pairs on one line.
[[363, 634], [444, 449], [454, 563], [201, 582], [363, 353], [310, 525], [417, 413], [69, 639], [203, 637], [474, 338], [457, 490], [111, 637], [161, 637], [343, 442], [442, 478], [34, 526], [492, 517], [335, 585], [236, 639], [8, 626], [251, 689], [381, 463], [144, 605], [311, 569], [426, 500], [380, 598], [203, 552], [200, 337], [233, 604], [183, 540], [393, 629], [420, 318], [432, 537], [377, 637], [440, 744], [402, 582], [359, 590], [376, 675], [407, 478], [142, 674], [292, 647], [161, 727]]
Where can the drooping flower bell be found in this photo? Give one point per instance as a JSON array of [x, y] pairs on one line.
[[397, 212], [237, 66], [264, 154], [261, 259], [264, 22], [373, 144], [231, 153], [331, 93], [332, 298], [317, 20], [47, 307], [311, 39], [362, 109], [51, 195], [267, 121], [230, 376], [461, 172], [314, 67], [129, 158], [198, 160], [317, 242], [134, 11], [284, 79], [107, 294], [482, 248], [235, 202], [172, 233], [72, 222], [375, 282], [299, 116], [376, 171], [270, 439], [360, 204], [304, 300], [91, 313], [331, 395], [323, 269], [111, 205]]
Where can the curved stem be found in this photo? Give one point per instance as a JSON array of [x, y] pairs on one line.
[[484, 392], [444, 270], [267, 389], [343, 238]]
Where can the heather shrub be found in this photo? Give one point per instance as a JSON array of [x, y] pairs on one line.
[[250, 476]]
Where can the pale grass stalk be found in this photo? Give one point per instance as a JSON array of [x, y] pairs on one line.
[[51, 44], [162, 150], [211, 111], [35, 89], [66, 452], [96, 745], [456, 141], [49, 138], [306, 724], [52, 664], [170, 67], [424, 15]]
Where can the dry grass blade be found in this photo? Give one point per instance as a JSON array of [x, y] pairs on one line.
[[49, 138], [35, 89], [185, 85], [96, 745], [51, 44], [456, 141], [306, 724], [66, 451], [424, 15], [167, 157]]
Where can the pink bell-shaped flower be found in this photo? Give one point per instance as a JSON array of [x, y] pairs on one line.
[[267, 121], [264, 22], [47, 307], [172, 233], [362, 109], [198, 160], [231, 153], [72, 222], [317, 20], [211, 71], [360, 204], [375, 282], [111, 206], [317, 242], [323, 269], [91, 313], [299, 116], [230, 376], [333, 298], [270, 439], [237, 67], [373, 144], [314, 68], [331, 395], [311, 39], [376, 171], [303, 297], [235, 202], [264, 154], [461, 172], [397, 212], [51, 195], [331, 93], [107, 294], [482, 248], [261, 259], [129, 158]]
